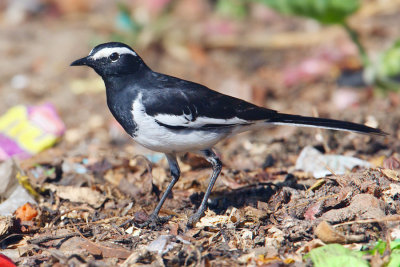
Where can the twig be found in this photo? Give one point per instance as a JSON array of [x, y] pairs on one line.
[[107, 220], [42, 239], [377, 220], [329, 169], [316, 185], [88, 240]]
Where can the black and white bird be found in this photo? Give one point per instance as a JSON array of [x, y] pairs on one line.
[[171, 115]]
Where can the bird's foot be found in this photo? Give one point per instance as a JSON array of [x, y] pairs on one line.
[[194, 219], [154, 220]]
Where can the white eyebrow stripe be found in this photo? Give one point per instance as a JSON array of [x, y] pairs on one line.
[[106, 52]]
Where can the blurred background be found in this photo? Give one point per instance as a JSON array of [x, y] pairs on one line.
[[338, 59]]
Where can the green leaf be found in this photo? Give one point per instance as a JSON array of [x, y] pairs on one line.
[[380, 247], [335, 255], [384, 70], [232, 8], [389, 64], [394, 260], [324, 11], [395, 244]]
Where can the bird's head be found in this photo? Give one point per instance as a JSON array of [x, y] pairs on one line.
[[112, 59]]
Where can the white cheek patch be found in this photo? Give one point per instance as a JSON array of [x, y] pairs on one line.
[[106, 52]]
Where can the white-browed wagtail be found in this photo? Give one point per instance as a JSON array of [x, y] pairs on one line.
[[171, 115]]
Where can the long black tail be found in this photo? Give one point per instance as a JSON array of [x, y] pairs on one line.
[[288, 119]]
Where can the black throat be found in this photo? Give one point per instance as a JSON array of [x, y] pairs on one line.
[[121, 93]]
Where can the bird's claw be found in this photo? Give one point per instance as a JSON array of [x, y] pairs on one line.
[[193, 219], [154, 220]]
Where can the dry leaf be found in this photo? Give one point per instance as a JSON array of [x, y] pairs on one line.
[[210, 219], [6, 223], [327, 234], [391, 174], [78, 194], [391, 163], [106, 252]]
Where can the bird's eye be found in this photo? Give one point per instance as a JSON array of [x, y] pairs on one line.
[[114, 57]]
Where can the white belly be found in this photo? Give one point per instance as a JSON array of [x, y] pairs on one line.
[[159, 138], [169, 142]]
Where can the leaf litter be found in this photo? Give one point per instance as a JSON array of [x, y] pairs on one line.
[[256, 220]]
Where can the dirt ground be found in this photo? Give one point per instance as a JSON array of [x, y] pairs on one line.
[[263, 210]]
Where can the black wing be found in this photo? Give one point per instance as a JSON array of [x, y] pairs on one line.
[[181, 104]]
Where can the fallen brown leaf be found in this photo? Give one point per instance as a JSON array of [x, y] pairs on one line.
[[78, 194], [327, 234], [391, 174]]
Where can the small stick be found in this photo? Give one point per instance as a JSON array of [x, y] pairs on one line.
[[377, 220]]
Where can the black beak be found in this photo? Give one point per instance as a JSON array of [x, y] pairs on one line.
[[80, 62]]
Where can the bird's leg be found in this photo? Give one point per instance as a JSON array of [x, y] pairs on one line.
[[217, 166], [175, 173]]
